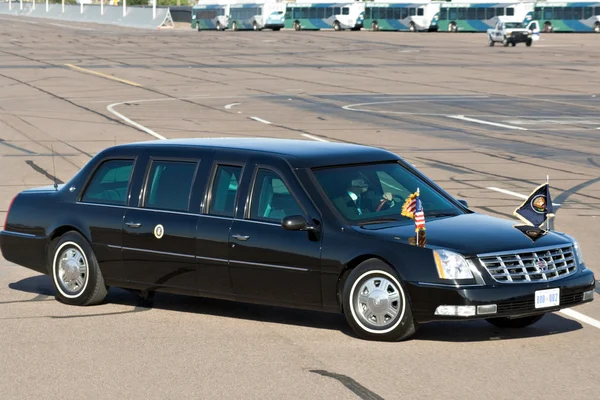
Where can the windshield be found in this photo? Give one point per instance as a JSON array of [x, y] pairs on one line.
[[357, 192], [513, 25]]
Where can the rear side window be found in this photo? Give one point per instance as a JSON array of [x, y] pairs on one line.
[[110, 183], [272, 200], [169, 185], [224, 190]]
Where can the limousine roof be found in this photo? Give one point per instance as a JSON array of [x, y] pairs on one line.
[[300, 153]]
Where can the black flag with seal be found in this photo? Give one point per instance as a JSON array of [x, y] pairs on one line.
[[537, 208]]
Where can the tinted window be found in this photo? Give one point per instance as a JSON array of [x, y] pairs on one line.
[[224, 190], [169, 185], [110, 183], [271, 199], [356, 191]]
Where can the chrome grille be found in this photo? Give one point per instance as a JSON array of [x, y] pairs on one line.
[[525, 266]]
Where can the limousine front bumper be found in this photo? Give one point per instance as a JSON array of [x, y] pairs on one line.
[[435, 302]]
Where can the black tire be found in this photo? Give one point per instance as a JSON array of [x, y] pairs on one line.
[[399, 327], [513, 44], [516, 323], [528, 43], [92, 290]]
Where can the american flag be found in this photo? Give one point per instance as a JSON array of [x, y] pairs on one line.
[[413, 208], [419, 215]]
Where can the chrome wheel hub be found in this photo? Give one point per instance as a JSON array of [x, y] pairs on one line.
[[72, 270], [378, 302]]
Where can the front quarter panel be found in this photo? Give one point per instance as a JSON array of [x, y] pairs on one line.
[[344, 248]]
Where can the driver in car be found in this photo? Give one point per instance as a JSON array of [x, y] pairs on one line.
[[361, 200]]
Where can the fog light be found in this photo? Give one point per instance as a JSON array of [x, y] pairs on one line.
[[589, 295], [461, 311], [465, 311], [487, 309], [445, 310]]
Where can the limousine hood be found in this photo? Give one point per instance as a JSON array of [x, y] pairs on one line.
[[468, 234]]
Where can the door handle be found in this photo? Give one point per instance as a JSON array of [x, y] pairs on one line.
[[133, 224], [240, 237]]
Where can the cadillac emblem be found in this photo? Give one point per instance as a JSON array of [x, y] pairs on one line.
[[541, 265], [538, 203]]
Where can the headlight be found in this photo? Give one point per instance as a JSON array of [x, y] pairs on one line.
[[451, 265], [576, 248], [578, 253]]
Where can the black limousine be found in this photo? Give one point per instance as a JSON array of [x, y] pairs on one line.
[[293, 223]]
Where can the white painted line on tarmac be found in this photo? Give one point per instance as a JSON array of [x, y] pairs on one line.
[[306, 135], [522, 196], [133, 123], [480, 121], [581, 317], [261, 120], [229, 106]]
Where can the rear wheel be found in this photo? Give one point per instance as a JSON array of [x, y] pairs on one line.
[[528, 42], [412, 27], [597, 27], [336, 26], [375, 303], [516, 323], [513, 44], [75, 271]]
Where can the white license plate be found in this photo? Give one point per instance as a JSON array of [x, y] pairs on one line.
[[547, 298]]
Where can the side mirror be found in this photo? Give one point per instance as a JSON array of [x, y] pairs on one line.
[[464, 203], [296, 223]]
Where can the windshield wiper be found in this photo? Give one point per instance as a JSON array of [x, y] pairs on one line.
[[441, 214], [378, 221]]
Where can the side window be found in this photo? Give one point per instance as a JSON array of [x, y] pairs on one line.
[[169, 185], [110, 183], [224, 190], [345, 11], [271, 199]]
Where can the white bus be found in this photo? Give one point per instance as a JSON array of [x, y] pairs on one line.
[[325, 15], [256, 15], [407, 15], [480, 15]]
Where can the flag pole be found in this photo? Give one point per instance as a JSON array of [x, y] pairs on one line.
[[547, 205], [417, 231]]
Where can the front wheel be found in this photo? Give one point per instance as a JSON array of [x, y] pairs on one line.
[[528, 42], [375, 303], [516, 323], [597, 27], [75, 271]]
